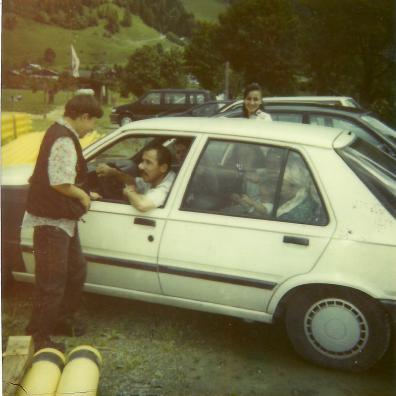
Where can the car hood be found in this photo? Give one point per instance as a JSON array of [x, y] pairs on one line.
[[16, 175]]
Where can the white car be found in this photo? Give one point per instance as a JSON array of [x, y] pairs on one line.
[[265, 221]]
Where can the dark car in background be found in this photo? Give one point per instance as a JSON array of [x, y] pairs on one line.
[[158, 101], [362, 122], [207, 109]]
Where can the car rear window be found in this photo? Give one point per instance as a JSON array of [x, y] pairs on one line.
[[375, 169]]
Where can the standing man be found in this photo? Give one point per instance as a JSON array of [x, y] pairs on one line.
[[56, 201]]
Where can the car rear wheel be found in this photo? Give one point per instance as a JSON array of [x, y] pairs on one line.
[[125, 120], [338, 328]]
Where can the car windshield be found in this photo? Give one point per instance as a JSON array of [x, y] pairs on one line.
[[376, 170], [380, 127]]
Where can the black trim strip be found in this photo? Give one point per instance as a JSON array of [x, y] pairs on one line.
[[111, 261], [85, 353], [49, 357], [235, 280], [122, 263]]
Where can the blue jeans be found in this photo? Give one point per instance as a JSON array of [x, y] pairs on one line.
[[60, 275]]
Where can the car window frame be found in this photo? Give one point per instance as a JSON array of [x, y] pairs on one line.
[[277, 194], [157, 139]]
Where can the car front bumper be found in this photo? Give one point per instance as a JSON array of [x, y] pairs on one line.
[[114, 118]]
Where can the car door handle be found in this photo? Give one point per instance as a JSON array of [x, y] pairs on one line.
[[296, 240], [143, 221]]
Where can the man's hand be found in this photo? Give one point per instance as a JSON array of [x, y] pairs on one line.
[[128, 189], [94, 195], [103, 170], [85, 200], [247, 201]]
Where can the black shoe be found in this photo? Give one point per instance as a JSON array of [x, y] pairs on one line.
[[41, 342], [69, 328]]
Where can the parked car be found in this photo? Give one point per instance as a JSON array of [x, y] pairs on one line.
[[265, 221], [343, 101], [207, 109], [159, 101], [362, 122]]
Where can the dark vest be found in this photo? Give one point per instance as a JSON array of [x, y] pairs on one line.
[[45, 201]]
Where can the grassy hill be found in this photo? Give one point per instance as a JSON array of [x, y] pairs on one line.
[[206, 10], [29, 39]]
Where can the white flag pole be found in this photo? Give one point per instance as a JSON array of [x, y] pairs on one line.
[[75, 62]]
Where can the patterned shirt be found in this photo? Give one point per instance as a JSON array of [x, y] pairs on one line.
[[61, 170]]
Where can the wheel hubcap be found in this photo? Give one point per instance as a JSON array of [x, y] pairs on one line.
[[336, 328]]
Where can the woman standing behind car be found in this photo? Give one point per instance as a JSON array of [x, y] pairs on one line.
[[252, 103]]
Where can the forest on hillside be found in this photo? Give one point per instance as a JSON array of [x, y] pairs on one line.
[[163, 15], [291, 47]]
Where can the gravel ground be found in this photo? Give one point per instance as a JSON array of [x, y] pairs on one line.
[[154, 350]]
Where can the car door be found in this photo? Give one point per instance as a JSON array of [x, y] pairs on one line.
[[216, 252]]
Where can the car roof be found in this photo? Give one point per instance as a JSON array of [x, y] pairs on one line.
[[302, 101], [231, 127], [345, 101], [178, 90], [316, 107]]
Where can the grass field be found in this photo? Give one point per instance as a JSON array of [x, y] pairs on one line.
[[33, 103], [206, 10], [29, 39]]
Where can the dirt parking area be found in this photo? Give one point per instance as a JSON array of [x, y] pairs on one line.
[[154, 350]]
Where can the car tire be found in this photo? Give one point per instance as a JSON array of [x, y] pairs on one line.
[[338, 328], [125, 120]]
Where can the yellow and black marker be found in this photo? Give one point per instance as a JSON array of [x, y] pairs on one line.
[[42, 378], [81, 373]]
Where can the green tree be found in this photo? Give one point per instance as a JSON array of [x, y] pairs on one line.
[[258, 39], [203, 57], [9, 21], [112, 24], [348, 47], [127, 19], [150, 67]]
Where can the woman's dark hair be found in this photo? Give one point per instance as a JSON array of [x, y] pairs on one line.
[[249, 88], [83, 104]]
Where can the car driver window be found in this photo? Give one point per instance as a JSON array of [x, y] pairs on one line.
[[243, 183], [122, 156], [153, 98], [175, 98], [123, 149], [299, 199]]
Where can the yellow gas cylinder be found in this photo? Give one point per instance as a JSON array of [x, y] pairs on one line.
[[43, 376], [81, 373]]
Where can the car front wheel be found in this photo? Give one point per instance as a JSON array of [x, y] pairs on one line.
[[125, 120], [338, 328]]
